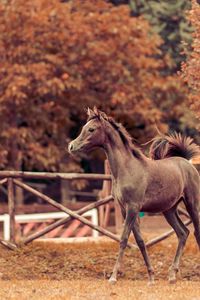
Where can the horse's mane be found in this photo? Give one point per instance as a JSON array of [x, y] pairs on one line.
[[123, 133]]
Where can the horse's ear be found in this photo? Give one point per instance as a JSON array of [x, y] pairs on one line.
[[100, 114], [90, 112], [96, 111]]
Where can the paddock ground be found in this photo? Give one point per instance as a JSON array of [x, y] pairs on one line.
[[44, 270]]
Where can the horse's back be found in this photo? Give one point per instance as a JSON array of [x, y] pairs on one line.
[[168, 179], [191, 179], [176, 168], [189, 173]]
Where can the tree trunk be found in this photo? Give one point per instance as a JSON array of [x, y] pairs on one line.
[[16, 164]]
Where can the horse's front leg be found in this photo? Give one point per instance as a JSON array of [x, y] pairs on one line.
[[142, 247], [129, 221]]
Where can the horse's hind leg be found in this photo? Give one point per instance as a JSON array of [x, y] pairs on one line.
[[182, 233], [193, 207], [142, 247]]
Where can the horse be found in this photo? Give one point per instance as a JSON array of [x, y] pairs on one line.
[[155, 184]]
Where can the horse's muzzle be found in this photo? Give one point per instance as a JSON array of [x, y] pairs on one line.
[[74, 148], [70, 147]]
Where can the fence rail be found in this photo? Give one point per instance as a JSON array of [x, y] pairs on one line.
[[48, 175], [14, 178]]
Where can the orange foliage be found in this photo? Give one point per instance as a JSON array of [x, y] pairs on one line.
[[191, 69], [58, 58]]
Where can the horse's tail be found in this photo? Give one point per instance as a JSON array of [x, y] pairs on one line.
[[173, 145]]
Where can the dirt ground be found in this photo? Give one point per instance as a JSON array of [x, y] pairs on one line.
[[80, 271]]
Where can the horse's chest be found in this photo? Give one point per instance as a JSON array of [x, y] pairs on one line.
[[117, 192]]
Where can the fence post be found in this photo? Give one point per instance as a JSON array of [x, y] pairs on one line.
[[11, 209]]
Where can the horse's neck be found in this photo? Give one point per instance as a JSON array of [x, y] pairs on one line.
[[119, 157]]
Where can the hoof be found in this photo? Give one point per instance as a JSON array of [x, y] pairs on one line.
[[172, 280], [172, 276], [112, 280], [151, 282]]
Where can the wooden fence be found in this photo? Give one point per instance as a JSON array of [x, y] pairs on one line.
[[12, 178]]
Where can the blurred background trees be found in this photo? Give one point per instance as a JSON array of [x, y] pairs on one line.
[[168, 19], [191, 69], [58, 57]]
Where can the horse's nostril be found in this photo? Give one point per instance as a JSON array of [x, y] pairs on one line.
[[70, 148]]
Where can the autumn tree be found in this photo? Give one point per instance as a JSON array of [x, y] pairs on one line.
[[191, 69], [58, 58], [169, 20]]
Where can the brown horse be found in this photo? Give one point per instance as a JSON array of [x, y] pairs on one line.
[[139, 183]]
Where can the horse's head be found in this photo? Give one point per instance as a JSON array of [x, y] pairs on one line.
[[92, 134]]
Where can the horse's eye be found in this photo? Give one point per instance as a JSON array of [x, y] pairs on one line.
[[91, 129]]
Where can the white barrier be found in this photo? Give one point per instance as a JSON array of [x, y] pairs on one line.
[[38, 218]]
